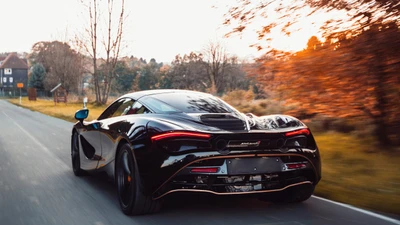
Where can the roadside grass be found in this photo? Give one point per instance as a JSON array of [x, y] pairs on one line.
[[61, 110], [353, 170]]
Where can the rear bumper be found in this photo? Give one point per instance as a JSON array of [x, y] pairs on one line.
[[242, 174], [234, 193]]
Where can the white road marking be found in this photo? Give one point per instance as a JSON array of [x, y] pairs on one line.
[[44, 148], [376, 215]]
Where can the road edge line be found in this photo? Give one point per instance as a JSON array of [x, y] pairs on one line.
[[376, 215]]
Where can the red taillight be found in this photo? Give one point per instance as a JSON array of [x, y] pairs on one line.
[[180, 134], [204, 170], [297, 132], [292, 166]]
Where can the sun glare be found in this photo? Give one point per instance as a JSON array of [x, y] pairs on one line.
[[302, 28]]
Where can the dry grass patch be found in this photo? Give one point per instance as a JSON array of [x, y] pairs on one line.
[[61, 110]]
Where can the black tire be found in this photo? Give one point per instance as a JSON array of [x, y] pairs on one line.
[[131, 198], [75, 157], [294, 194]]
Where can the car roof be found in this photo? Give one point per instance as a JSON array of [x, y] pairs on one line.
[[139, 94]]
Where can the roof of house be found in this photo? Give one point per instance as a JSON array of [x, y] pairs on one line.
[[14, 62]]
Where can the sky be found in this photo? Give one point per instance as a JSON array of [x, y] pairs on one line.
[[158, 29]]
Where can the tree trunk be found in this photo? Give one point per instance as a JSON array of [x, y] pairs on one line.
[[211, 76], [381, 120], [96, 81], [381, 133], [106, 92]]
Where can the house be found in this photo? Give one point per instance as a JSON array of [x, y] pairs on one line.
[[13, 70]]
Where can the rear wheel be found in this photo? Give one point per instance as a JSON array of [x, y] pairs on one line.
[[294, 194], [75, 157], [130, 194]]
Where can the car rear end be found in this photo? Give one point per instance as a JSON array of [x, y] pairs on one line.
[[237, 162], [198, 143]]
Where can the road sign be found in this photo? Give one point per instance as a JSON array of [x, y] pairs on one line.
[[20, 85]]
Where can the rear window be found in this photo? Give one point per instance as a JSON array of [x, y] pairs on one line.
[[186, 102]]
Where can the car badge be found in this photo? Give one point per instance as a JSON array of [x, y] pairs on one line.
[[243, 144]]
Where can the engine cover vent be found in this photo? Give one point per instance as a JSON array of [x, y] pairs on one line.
[[223, 121]]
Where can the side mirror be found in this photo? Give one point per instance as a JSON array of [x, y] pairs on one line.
[[81, 114]]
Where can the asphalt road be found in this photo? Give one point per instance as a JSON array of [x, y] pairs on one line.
[[37, 187]]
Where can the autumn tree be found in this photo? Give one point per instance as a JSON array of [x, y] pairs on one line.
[[354, 71], [376, 50], [342, 79], [353, 77], [103, 39], [62, 64]]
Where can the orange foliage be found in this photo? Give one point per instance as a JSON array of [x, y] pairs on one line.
[[355, 76]]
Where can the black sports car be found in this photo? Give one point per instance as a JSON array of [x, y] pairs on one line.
[[153, 143]]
